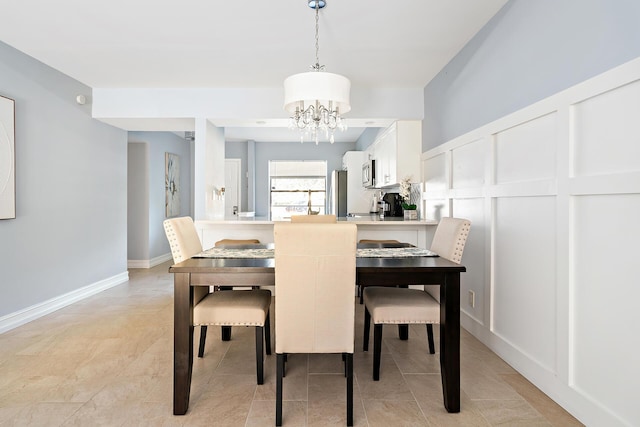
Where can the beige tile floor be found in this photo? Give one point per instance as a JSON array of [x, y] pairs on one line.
[[107, 361]]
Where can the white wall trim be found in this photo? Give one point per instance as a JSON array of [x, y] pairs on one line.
[[572, 399], [148, 263], [18, 318], [560, 181]]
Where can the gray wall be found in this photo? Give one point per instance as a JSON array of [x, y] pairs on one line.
[[367, 138], [527, 52], [266, 151], [158, 144], [138, 201], [70, 229]]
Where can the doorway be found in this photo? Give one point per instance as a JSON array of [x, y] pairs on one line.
[[232, 187]]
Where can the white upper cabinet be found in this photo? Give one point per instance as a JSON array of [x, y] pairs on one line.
[[397, 153]]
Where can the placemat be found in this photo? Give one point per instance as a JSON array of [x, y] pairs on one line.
[[360, 253], [394, 253]]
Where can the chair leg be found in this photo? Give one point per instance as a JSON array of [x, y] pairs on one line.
[[279, 375], [361, 294], [259, 355], [226, 333], [349, 366], [267, 333], [367, 328], [284, 366], [203, 339], [226, 330], [344, 363], [377, 349], [432, 348], [403, 332]]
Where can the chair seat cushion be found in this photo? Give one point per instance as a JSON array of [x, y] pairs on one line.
[[400, 306], [233, 308]]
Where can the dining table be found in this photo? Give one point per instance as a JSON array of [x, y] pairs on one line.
[[374, 267]]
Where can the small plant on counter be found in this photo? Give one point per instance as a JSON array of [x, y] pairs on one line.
[[405, 193]]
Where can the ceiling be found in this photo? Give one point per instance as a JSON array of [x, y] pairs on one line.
[[241, 43]]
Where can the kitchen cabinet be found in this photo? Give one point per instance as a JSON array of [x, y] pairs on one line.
[[397, 153]]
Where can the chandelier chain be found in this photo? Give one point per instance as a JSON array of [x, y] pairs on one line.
[[320, 112], [317, 66]]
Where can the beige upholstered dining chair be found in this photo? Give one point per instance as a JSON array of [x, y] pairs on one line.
[[226, 330], [315, 276], [401, 306], [314, 218], [224, 308]]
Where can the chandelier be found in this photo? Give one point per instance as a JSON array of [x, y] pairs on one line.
[[316, 99]]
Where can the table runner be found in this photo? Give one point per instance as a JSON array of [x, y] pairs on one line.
[[360, 253]]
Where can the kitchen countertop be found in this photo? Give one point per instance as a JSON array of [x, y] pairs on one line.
[[362, 219]]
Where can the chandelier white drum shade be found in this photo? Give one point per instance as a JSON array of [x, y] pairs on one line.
[[304, 89], [316, 99]]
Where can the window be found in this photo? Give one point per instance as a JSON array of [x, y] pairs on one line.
[[297, 187]]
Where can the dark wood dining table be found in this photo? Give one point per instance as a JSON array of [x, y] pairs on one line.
[[378, 271]]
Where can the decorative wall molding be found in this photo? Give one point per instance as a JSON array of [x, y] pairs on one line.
[[553, 193]]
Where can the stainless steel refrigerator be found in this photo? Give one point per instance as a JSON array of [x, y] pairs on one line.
[[338, 193]]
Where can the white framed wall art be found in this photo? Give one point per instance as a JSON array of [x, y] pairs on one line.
[[172, 184]]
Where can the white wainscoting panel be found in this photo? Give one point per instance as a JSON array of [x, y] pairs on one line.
[[605, 297], [468, 165], [607, 132], [435, 180], [435, 174], [527, 152], [553, 195], [436, 209], [473, 257], [524, 288]]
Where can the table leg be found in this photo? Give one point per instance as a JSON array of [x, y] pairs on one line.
[[182, 341], [450, 341]]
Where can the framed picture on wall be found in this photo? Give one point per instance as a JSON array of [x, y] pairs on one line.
[[172, 184], [7, 159]]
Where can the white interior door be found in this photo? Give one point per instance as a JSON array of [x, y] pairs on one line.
[[232, 187]]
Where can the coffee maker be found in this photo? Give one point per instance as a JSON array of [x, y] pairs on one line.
[[394, 203]]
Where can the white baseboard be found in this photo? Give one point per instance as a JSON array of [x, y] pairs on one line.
[[148, 263], [577, 403], [13, 320]]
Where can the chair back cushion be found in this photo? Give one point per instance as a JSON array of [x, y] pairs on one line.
[[183, 238], [450, 238], [315, 269], [314, 218]]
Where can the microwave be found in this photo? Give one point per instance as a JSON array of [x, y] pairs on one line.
[[369, 174]]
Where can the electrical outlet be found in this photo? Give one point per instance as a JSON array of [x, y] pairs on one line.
[[472, 298]]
